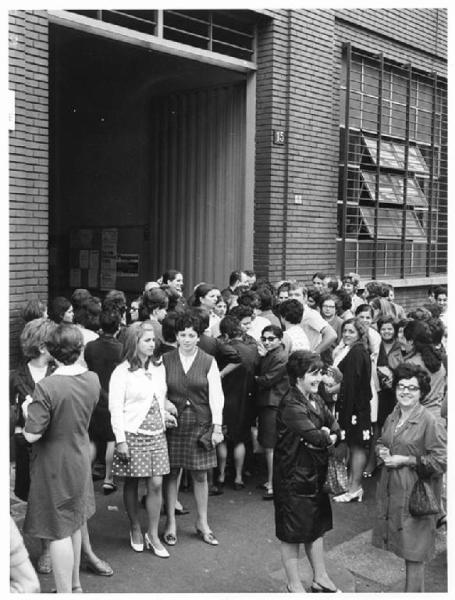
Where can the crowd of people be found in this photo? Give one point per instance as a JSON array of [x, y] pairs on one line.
[[176, 389]]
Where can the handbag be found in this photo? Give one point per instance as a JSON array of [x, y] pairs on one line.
[[336, 481], [205, 438], [422, 500]]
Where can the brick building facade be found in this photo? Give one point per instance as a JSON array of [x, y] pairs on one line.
[[283, 109]]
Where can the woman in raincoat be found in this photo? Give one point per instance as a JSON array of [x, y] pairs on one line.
[[412, 444]]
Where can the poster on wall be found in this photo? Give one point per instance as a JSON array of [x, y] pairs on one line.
[[94, 261], [109, 239], [108, 275], [127, 265]]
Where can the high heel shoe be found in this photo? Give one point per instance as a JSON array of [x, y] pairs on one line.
[[161, 552], [134, 546], [318, 588], [350, 496], [207, 537]]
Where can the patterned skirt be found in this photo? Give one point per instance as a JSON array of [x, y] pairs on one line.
[[148, 456], [183, 448]]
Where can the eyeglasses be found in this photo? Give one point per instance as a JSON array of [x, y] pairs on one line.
[[268, 339], [407, 388], [328, 306]]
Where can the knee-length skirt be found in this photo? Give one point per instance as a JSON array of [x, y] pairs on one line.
[[182, 441], [148, 456]]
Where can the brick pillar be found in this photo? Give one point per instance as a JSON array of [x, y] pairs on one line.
[[295, 94], [28, 165]]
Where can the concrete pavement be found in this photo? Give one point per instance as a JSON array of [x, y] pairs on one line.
[[248, 557]]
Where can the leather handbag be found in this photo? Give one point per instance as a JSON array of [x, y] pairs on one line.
[[336, 481], [422, 501]]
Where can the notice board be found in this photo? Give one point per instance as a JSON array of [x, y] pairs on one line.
[[106, 258]]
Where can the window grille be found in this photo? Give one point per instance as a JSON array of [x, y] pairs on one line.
[[231, 33], [392, 202]]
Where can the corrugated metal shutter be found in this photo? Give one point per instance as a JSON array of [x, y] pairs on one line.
[[198, 184]]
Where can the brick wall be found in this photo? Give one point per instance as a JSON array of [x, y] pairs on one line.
[[295, 240], [28, 162]]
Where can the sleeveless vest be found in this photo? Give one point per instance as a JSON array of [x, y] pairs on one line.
[[189, 387]]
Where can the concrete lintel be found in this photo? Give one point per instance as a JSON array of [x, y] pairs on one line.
[[151, 42]]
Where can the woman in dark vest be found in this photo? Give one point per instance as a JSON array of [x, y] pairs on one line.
[[194, 386]]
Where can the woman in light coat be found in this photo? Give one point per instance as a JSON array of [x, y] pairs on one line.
[[412, 444]]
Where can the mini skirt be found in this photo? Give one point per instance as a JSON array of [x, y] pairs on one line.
[[148, 456]]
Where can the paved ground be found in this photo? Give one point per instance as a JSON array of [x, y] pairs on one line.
[[248, 558]]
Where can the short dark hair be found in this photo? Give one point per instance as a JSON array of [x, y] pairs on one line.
[[343, 301], [153, 299], [440, 289], [234, 277], [291, 310], [364, 308], [65, 343], [203, 318], [266, 297], [387, 319], [277, 331], [314, 294], [168, 327], [241, 311], [110, 320], [408, 370], [301, 362], [319, 275], [201, 291], [88, 314], [115, 299], [79, 296], [230, 327], [187, 320], [170, 275], [249, 298], [58, 308]]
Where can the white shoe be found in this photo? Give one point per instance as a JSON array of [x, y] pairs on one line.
[[161, 552], [350, 496], [136, 547]]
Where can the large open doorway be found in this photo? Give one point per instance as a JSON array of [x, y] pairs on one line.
[[147, 163]]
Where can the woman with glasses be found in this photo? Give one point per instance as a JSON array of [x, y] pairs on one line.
[[412, 445], [272, 383]]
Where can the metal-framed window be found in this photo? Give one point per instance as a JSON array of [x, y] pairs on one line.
[[228, 32], [392, 201]]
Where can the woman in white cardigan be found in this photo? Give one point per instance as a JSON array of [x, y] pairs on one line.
[[137, 399]]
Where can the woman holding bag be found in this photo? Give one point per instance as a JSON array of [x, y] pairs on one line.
[[412, 446], [305, 430], [194, 387]]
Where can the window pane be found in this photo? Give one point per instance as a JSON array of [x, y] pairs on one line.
[[370, 113], [371, 80], [399, 88], [399, 120]]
